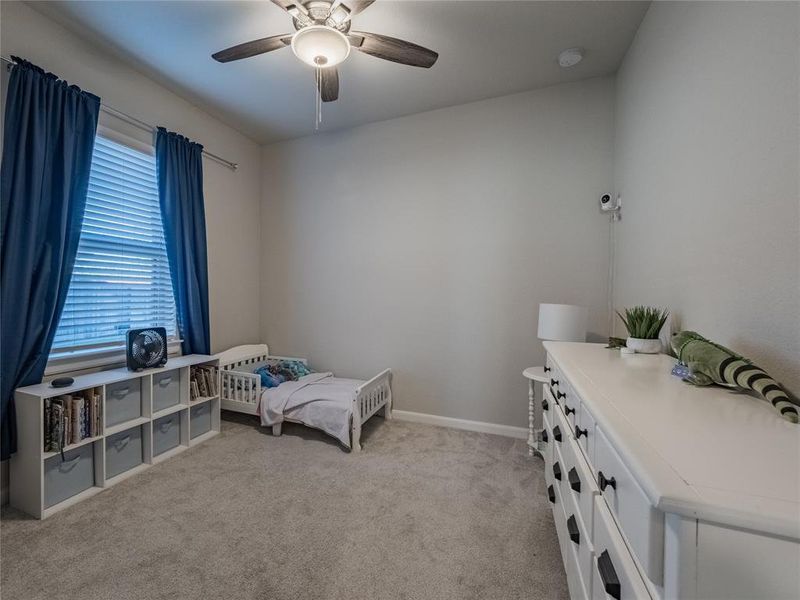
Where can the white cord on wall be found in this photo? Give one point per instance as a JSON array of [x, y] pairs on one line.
[[612, 265]]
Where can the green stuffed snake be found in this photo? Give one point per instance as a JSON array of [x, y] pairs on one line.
[[709, 363]]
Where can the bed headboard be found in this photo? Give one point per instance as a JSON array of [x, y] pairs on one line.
[[242, 356], [250, 356]]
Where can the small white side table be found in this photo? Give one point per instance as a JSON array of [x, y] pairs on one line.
[[534, 375]]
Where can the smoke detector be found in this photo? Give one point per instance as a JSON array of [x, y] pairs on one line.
[[570, 57]]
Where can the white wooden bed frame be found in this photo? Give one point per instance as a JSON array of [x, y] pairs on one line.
[[240, 388]]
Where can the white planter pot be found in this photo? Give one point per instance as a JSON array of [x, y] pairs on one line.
[[643, 346]]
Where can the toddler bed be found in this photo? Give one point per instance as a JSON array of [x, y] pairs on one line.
[[335, 405]]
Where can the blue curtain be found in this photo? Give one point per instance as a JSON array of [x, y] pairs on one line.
[[47, 155], [180, 190]]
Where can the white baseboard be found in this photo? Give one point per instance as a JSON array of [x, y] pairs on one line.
[[505, 430]]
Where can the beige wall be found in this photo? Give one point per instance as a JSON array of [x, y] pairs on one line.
[[706, 160], [425, 244], [232, 198]]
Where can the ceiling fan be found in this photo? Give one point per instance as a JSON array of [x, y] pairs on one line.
[[322, 39]]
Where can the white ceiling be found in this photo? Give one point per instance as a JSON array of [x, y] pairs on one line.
[[486, 49]]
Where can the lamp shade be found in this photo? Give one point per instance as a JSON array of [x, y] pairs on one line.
[[563, 322]]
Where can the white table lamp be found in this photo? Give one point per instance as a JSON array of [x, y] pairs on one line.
[[563, 322]]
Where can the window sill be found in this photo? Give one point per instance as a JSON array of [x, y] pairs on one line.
[[95, 359]]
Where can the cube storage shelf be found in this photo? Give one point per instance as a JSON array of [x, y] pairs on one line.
[[148, 417]]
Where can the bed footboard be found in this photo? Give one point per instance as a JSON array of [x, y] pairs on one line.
[[371, 397], [240, 391], [241, 388]]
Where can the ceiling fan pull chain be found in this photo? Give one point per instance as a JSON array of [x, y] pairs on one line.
[[318, 99]]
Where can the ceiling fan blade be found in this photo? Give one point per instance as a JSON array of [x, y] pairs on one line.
[[399, 51], [284, 4], [253, 48], [355, 40], [357, 6], [329, 84], [297, 10], [344, 10]]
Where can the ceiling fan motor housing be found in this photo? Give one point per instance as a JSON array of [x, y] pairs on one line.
[[317, 12]]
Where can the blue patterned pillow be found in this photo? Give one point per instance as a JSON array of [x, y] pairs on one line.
[[268, 380], [295, 367]]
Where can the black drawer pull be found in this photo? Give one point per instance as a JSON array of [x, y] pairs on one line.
[[553, 382], [551, 494], [545, 437], [568, 410], [560, 395], [605, 481], [557, 471], [574, 480], [545, 405], [574, 532], [557, 433], [608, 575], [579, 432], [547, 369]]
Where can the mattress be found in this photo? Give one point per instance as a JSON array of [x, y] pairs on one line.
[[318, 400]]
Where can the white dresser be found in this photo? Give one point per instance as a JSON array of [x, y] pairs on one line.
[[664, 490]]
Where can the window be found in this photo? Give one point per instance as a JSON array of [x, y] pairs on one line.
[[121, 277]]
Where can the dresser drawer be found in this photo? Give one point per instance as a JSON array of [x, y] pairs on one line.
[[547, 440], [549, 367], [548, 363], [614, 574], [553, 492], [582, 544], [564, 544], [557, 471], [642, 524], [569, 402], [561, 525], [585, 432], [548, 403], [554, 378], [166, 389], [571, 537], [580, 483], [561, 427], [123, 401]]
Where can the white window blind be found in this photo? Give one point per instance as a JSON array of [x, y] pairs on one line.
[[121, 278]]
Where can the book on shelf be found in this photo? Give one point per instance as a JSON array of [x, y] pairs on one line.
[[203, 382], [68, 419]]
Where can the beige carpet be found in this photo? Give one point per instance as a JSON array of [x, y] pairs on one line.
[[422, 513]]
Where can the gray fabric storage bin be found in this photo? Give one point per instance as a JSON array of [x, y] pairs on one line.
[[166, 389], [166, 433], [200, 419], [124, 451], [64, 479], [123, 401]]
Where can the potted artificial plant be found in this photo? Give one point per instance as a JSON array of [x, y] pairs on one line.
[[644, 324]]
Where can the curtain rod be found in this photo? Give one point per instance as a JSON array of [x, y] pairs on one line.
[[143, 125]]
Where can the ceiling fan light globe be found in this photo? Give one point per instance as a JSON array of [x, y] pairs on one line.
[[320, 46]]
